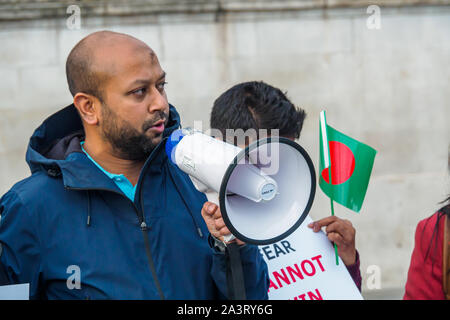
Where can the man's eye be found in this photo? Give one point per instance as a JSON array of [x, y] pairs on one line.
[[140, 92], [161, 86]]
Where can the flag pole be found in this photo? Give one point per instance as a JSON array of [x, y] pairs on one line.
[[332, 213], [328, 159], [335, 246]]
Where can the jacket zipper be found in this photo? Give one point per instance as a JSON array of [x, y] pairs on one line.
[[144, 230]]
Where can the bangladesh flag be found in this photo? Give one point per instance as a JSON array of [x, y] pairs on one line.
[[345, 166]]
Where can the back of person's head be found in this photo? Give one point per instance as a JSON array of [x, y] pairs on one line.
[[256, 105]]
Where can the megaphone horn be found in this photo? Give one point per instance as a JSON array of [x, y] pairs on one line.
[[264, 191]]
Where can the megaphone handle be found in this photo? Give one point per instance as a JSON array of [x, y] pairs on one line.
[[214, 198]]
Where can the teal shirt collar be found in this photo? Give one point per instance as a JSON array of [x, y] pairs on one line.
[[119, 179]]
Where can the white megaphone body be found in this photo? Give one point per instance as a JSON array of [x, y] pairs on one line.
[[264, 191]]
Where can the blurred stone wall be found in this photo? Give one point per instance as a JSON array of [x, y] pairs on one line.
[[38, 9], [387, 87]]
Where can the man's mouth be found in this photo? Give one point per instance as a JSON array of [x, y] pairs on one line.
[[158, 126]]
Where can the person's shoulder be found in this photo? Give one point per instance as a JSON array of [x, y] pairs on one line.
[[32, 188], [429, 233], [431, 223]]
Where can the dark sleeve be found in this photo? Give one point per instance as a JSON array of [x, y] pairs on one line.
[[3, 273], [256, 276], [20, 250], [355, 272]]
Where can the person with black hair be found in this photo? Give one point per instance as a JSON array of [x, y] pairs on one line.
[[263, 109], [429, 270], [256, 105]]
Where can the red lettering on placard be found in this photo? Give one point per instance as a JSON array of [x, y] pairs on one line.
[[302, 297], [288, 275], [316, 258], [272, 285], [313, 270], [297, 272], [311, 295], [284, 278]]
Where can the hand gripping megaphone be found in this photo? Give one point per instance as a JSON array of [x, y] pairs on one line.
[[264, 191]]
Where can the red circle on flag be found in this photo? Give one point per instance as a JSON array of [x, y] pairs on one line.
[[342, 163]]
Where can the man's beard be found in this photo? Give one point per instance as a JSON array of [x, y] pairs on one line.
[[126, 141]]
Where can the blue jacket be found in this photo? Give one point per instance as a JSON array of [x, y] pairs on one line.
[[69, 221]]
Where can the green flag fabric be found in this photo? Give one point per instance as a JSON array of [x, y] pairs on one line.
[[345, 166]]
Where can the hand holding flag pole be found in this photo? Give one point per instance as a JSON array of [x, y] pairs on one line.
[[344, 169]]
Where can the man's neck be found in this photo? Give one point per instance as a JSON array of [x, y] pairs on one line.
[[109, 161]]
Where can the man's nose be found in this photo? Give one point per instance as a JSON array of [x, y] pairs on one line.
[[158, 102]]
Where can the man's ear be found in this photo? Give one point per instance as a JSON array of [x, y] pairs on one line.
[[88, 107]]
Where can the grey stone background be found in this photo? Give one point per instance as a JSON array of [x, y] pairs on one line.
[[386, 87]]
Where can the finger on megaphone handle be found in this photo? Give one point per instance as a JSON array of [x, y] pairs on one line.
[[210, 207], [219, 223], [224, 231], [217, 214]]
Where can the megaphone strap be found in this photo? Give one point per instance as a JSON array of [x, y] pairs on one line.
[[235, 273]]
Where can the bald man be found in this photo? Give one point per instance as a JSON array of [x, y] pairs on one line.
[[104, 214]]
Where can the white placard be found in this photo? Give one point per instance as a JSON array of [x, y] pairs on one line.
[[15, 292], [303, 267]]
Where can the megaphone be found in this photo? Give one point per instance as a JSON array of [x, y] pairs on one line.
[[264, 191]]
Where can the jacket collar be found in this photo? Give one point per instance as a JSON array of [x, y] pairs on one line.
[[55, 148]]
